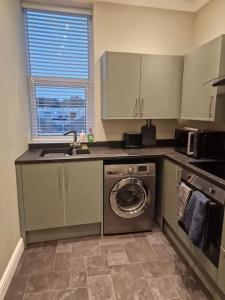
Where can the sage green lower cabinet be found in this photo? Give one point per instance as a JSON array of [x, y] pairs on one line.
[[185, 239], [171, 179], [221, 271], [60, 194], [42, 196], [83, 193]]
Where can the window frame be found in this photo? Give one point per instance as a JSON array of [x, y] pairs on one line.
[[34, 81]]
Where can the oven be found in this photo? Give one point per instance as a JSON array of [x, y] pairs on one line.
[[214, 213]]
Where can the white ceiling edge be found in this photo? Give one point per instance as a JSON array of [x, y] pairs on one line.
[[200, 3], [181, 5]]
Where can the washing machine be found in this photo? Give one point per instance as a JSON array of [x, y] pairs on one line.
[[129, 197]]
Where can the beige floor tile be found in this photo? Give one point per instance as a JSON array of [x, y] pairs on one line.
[[162, 288], [37, 283], [128, 267], [38, 263], [119, 258], [188, 287], [160, 251], [45, 247], [85, 248], [101, 288], [113, 248], [140, 252], [78, 278], [117, 239], [64, 246], [58, 280], [79, 263], [37, 296], [70, 294], [17, 288], [97, 265], [62, 261], [129, 283]]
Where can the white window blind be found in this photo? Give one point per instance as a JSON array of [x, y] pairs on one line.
[[59, 64]]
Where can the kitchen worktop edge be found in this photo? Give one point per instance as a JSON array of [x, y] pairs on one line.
[[32, 156]]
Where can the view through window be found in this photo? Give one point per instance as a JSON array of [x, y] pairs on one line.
[[59, 53]]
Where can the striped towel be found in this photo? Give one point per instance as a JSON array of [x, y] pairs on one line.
[[183, 196]]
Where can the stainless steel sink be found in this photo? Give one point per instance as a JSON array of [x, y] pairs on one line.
[[58, 151], [82, 151], [62, 152]]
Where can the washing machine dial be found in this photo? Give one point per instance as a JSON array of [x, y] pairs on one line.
[[130, 170]]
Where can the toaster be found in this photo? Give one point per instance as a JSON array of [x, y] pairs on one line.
[[132, 140]]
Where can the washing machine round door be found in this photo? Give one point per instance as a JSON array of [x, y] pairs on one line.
[[130, 197]]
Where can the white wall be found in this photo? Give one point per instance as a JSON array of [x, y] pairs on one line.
[[209, 22], [13, 122], [139, 30]]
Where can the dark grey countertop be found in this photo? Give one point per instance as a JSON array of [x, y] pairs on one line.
[[96, 153], [110, 153], [185, 161]]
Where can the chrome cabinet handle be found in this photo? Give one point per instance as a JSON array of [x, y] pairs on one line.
[[222, 251], [142, 106], [211, 97], [136, 108], [178, 176], [67, 178], [59, 180], [190, 135]]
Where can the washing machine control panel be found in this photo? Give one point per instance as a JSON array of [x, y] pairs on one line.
[[134, 169], [142, 168]]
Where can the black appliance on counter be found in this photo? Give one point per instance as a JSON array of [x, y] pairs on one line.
[[200, 143], [132, 140]]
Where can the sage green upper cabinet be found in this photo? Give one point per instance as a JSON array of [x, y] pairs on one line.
[[83, 195], [42, 196], [120, 77], [160, 86], [171, 178], [199, 101], [140, 86], [221, 270]]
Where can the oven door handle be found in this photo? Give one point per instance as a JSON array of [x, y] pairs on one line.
[[222, 251], [190, 135]]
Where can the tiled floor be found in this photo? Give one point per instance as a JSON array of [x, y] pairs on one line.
[[134, 267]]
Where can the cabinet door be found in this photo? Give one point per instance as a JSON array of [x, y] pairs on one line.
[[177, 87], [83, 192], [200, 66], [171, 178], [120, 85], [42, 192], [221, 271], [156, 85]]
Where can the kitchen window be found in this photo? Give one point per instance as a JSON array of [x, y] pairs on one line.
[[59, 68]]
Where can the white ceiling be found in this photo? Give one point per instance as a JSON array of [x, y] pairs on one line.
[[182, 5]]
